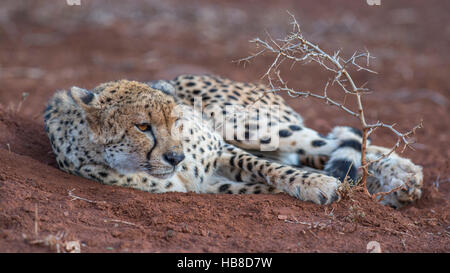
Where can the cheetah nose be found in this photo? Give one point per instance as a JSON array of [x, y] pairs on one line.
[[173, 158]]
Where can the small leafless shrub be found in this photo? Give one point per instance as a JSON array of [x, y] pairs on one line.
[[294, 48]]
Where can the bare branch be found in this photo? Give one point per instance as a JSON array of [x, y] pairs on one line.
[[295, 48]]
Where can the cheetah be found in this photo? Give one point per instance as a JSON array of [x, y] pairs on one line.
[[208, 134]]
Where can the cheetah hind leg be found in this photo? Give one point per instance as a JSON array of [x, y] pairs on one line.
[[385, 174]]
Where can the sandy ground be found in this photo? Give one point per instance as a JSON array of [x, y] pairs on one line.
[[48, 45]]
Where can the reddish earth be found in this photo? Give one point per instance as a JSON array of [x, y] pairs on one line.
[[47, 45]]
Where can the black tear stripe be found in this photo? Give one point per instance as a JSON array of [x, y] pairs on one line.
[[165, 120], [351, 143], [339, 168], [154, 143]]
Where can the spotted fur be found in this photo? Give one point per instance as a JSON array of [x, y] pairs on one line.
[[176, 136]]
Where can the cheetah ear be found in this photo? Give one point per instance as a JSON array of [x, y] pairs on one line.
[[83, 97], [163, 86], [88, 101]]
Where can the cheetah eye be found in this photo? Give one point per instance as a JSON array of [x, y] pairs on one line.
[[143, 127]]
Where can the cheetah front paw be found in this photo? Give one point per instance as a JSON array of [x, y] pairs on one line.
[[317, 188], [394, 172]]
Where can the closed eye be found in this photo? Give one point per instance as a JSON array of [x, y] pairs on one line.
[[144, 127]]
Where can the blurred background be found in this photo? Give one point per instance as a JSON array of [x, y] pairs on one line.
[[51, 45]]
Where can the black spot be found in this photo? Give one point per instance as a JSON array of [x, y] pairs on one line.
[[47, 116], [285, 133], [224, 187], [238, 177], [340, 167], [323, 199], [232, 97], [295, 127], [351, 143], [318, 143], [240, 163], [289, 172], [323, 160], [242, 191], [247, 135], [103, 174], [300, 151], [190, 84], [232, 160]]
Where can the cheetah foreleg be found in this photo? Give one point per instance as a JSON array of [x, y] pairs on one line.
[[304, 185]]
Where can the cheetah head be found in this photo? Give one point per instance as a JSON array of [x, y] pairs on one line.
[[135, 125]]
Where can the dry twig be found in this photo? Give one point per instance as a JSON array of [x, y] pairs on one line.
[[295, 48], [74, 197]]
